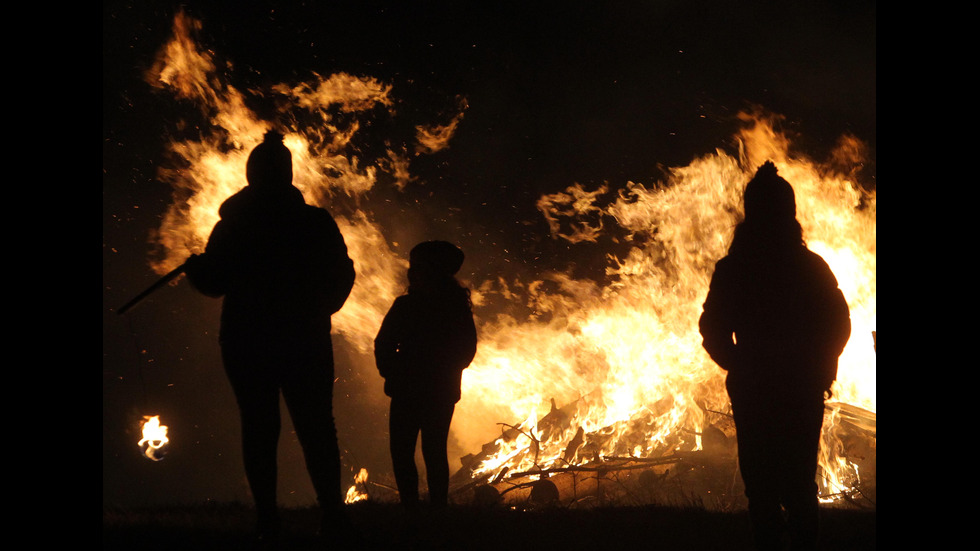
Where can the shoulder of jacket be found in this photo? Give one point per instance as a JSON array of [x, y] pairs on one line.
[[819, 263], [398, 303], [725, 267], [233, 205], [319, 215]]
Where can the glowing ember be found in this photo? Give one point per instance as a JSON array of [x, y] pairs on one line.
[[598, 369], [154, 442], [358, 492]]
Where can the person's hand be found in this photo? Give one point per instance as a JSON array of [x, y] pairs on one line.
[[193, 263]]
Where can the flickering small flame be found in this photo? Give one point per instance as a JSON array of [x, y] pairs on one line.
[[155, 441], [358, 492]]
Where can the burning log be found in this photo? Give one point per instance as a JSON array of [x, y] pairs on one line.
[[486, 495], [544, 492]]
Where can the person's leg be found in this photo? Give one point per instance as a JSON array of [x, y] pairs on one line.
[[258, 403], [308, 393], [799, 490], [757, 465], [435, 434], [403, 429]]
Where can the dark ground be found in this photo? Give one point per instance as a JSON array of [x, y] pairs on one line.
[[382, 526]]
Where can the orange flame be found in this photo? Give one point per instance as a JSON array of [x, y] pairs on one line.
[[358, 492], [433, 138], [154, 439]]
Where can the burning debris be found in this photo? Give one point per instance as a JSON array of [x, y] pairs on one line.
[[708, 476], [155, 442], [359, 491]]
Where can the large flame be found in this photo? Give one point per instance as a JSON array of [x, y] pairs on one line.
[[619, 359]]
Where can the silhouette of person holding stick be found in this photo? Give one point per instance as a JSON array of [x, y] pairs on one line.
[[425, 341], [776, 321], [282, 267]]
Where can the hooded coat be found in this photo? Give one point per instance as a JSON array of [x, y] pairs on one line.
[[280, 264], [424, 344]]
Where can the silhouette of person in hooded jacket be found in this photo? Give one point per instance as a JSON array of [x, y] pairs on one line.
[[282, 267], [426, 340], [776, 321]]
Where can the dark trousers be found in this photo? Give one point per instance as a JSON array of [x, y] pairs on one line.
[[778, 441], [408, 419], [305, 379]]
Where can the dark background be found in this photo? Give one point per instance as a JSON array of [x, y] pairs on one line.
[[557, 93]]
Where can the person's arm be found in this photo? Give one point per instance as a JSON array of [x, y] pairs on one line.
[[716, 323], [841, 324], [208, 272], [834, 326], [339, 266], [387, 342], [467, 341]]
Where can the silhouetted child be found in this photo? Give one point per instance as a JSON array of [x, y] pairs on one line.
[[426, 340]]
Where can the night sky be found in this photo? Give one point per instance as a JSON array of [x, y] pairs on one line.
[[562, 93]]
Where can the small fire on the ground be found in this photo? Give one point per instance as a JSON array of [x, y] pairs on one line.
[[155, 441]]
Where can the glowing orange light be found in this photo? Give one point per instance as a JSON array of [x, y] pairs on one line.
[[358, 492], [155, 441]]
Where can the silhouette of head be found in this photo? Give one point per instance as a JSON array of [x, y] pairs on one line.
[[438, 257], [770, 223], [768, 197], [270, 165], [433, 262]]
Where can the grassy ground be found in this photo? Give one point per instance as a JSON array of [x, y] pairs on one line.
[[383, 526]]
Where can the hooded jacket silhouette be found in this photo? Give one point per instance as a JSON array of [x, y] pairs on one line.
[[425, 342]]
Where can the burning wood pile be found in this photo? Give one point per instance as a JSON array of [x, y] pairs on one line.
[[706, 476], [680, 471]]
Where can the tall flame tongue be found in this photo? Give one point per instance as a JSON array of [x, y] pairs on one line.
[[618, 362]]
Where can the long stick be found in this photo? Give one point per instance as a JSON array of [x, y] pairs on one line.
[[149, 290]]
